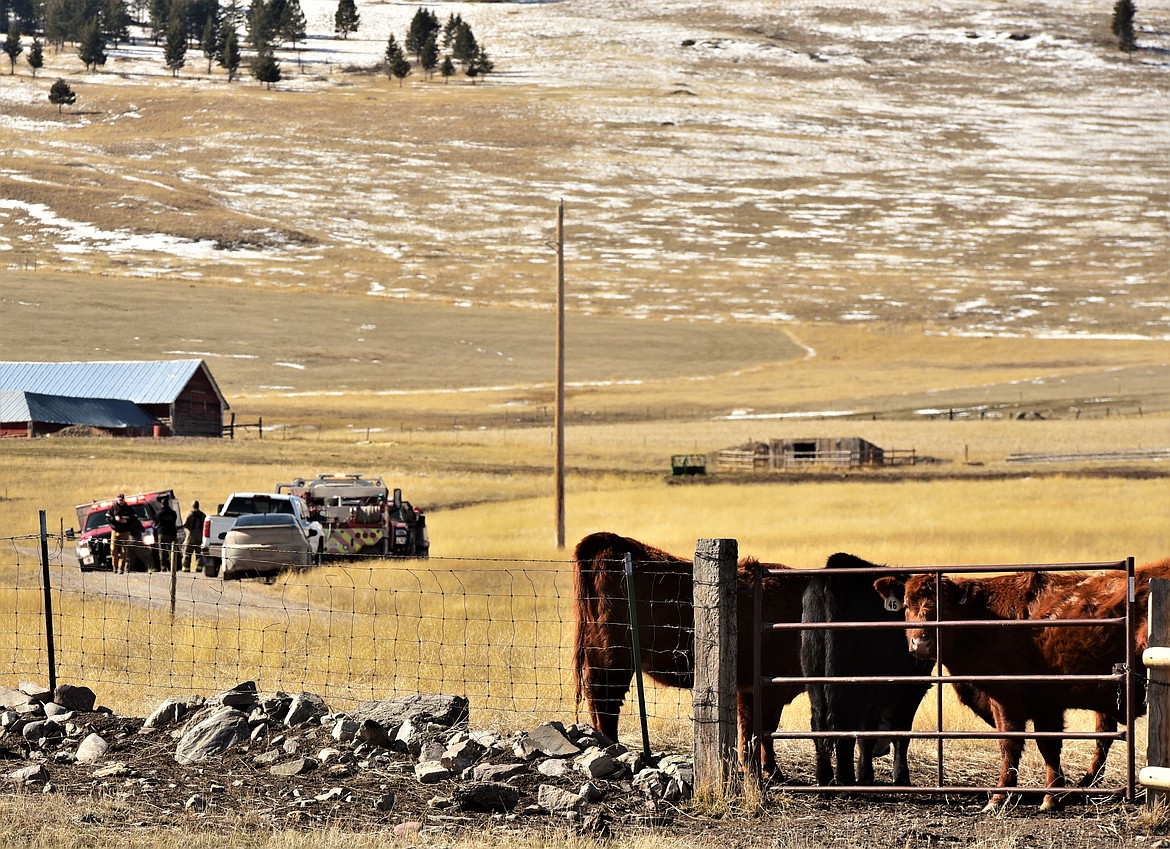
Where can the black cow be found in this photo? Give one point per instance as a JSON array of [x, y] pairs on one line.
[[857, 652]]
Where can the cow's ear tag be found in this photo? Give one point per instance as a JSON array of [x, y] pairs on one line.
[[893, 603]]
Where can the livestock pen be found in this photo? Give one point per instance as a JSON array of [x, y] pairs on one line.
[[1115, 679]]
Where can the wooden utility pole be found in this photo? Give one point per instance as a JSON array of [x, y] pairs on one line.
[[714, 693], [559, 412]]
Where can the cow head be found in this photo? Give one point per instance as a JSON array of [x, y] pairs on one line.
[[916, 597]]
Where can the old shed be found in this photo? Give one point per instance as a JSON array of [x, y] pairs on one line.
[[790, 454]]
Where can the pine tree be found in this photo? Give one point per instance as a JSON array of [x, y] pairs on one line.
[[265, 68], [346, 19], [450, 28], [92, 47], [481, 63], [36, 56], [115, 21], [160, 15], [229, 52], [447, 69], [209, 42], [1123, 15], [175, 49], [13, 47], [422, 26], [392, 55], [292, 23], [262, 24], [401, 69], [62, 95], [429, 57], [465, 46]]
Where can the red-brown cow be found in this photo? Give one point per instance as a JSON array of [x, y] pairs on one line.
[[604, 664], [1082, 650]]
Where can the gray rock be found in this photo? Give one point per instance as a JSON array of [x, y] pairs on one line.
[[10, 719], [74, 698], [595, 763], [486, 797], [433, 750], [554, 767], [497, 772], [243, 695], [296, 766], [591, 793], [212, 736], [431, 772], [463, 754], [35, 774], [385, 802], [375, 734], [653, 783], [345, 730], [92, 749], [13, 699], [267, 758], [172, 711], [558, 801], [195, 803], [35, 692], [328, 755], [305, 707], [446, 711], [549, 738], [632, 761], [39, 729], [117, 769]]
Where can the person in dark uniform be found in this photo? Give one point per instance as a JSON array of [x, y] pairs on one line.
[[166, 532], [193, 525], [125, 534]]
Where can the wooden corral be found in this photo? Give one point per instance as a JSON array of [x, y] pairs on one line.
[[796, 454]]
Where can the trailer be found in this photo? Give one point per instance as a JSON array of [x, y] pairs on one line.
[[360, 515]]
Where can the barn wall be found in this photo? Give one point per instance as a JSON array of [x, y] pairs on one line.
[[196, 411]]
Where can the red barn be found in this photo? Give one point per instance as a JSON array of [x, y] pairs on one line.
[[128, 398]]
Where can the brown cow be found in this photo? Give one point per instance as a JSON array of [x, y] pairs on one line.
[[604, 666], [1082, 650]]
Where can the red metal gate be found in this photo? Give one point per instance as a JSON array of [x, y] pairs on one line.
[[1121, 671]]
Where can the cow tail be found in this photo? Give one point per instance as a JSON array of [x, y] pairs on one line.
[[588, 558]]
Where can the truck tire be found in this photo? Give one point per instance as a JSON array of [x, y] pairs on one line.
[[211, 567]]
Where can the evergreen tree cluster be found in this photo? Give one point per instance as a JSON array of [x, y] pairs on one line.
[[426, 38], [182, 26]]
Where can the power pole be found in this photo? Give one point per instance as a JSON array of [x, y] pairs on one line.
[[559, 411]]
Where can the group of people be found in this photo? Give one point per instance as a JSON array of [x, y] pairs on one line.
[[126, 537]]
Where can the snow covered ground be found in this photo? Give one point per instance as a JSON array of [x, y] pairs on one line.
[[979, 167]]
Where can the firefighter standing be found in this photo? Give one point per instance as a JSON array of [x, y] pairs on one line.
[[125, 534], [194, 527], [166, 531]]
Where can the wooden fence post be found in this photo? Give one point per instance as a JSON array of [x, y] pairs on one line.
[[1158, 692], [715, 660]]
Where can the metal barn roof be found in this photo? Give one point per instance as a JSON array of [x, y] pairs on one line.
[[143, 382], [17, 406]]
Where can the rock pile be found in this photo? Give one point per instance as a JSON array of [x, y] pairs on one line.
[[295, 756]]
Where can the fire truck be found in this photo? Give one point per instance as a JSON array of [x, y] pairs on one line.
[[360, 516]]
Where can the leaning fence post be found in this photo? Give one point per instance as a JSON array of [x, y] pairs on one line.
[[715, 664], [1158, 695], [50, 648]]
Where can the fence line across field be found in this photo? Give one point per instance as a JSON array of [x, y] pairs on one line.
[[498, 631]]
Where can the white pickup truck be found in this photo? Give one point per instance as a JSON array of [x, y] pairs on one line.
[[238, 504]]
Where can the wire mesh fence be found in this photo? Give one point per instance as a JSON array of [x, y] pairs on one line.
[[499, 632]]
